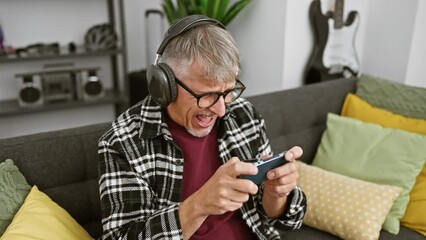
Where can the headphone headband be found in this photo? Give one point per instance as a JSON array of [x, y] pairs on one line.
[[183, 25]]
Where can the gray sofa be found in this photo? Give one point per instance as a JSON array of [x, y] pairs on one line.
[[63, 164]]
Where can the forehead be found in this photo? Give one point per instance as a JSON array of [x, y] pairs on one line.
[[212, 75]]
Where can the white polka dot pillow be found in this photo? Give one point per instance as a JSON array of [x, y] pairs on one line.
[[344, 206]]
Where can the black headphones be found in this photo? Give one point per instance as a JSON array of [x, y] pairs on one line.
[[160, 77]]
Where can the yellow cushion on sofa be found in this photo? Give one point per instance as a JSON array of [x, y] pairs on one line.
[[41, 218], [415, 217], [357, 108], [346, 207]]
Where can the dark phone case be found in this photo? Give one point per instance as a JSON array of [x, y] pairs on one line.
[[264, 167]]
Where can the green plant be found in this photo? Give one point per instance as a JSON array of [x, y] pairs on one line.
[[217, 9]]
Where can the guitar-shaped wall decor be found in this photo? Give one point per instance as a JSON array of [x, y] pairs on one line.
[[334, 54]]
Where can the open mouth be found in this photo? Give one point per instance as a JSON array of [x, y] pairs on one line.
[[204, 120]]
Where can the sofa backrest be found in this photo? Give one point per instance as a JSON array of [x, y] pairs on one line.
[[63, 164], [297, 117]]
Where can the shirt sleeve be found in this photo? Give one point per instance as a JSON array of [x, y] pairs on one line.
[[128, 202], [295, 211]]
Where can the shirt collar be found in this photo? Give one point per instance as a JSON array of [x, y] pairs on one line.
[[152, 119]]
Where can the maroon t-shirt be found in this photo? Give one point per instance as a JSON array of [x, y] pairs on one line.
[[201, 160]]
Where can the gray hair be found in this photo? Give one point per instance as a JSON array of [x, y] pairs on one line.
[[214, 49]]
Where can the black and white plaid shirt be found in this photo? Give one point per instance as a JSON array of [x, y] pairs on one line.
[[141, 169]]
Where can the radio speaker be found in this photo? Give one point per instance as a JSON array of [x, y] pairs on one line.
[[30, 93], [91, 85]]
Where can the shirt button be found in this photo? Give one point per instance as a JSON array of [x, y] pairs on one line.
[[179, 162]]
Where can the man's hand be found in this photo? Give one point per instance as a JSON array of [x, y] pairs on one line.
[[280, 182], [222, 193]]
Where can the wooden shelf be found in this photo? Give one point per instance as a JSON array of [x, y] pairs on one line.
[[11, 107]]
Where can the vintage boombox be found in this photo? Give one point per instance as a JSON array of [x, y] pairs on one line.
[[38, 88]]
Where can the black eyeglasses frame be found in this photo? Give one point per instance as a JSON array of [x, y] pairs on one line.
[[241, 87]]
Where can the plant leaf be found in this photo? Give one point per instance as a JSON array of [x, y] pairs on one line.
[[203, 6], [217, 9], [169, 9], [194, 7], [182, 8], [210, 8], [222, 9]]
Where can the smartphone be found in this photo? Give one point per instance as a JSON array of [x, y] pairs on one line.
[[264, 166]]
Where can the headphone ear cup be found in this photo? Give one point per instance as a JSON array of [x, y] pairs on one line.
[[161, 84], [171, 80]]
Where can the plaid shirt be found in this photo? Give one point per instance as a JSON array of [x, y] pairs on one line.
[[141, 169]]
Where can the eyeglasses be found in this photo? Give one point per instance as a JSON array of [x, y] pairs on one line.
[[208, 99]]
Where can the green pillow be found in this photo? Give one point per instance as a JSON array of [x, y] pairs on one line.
[[396, 97], [13, 191], [373, 153]]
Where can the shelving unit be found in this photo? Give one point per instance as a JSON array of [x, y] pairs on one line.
[[79, 53], [117, 95]]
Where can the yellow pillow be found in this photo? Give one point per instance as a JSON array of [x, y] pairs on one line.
[[41, 218], [346, 207], [357, 108], [415, 217]]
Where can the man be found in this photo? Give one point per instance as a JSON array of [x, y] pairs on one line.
[[170, 165]]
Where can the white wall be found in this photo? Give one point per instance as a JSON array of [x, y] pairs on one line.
[[259, 33], [298, 43], [388, 38], [416, 69]]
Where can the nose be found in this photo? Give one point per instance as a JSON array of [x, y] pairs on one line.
[[219, 108]]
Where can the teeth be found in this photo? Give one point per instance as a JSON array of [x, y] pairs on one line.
[[204, 120]]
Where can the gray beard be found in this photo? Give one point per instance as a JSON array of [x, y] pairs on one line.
[[198, 134]]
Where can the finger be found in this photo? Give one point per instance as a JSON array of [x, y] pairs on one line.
[[288, 179], [232, 161], [230, 200], [232, 205], [280, 191], [282, 171], [294, 153], [265, 156], [245, 186], [236, 168], [226, 205], [237, 196]]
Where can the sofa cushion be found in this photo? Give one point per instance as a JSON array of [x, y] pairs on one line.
[[41, 218], [357, 108], [412, 218], [363, 150], [13, 190], [347, 207], [398, 98]]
